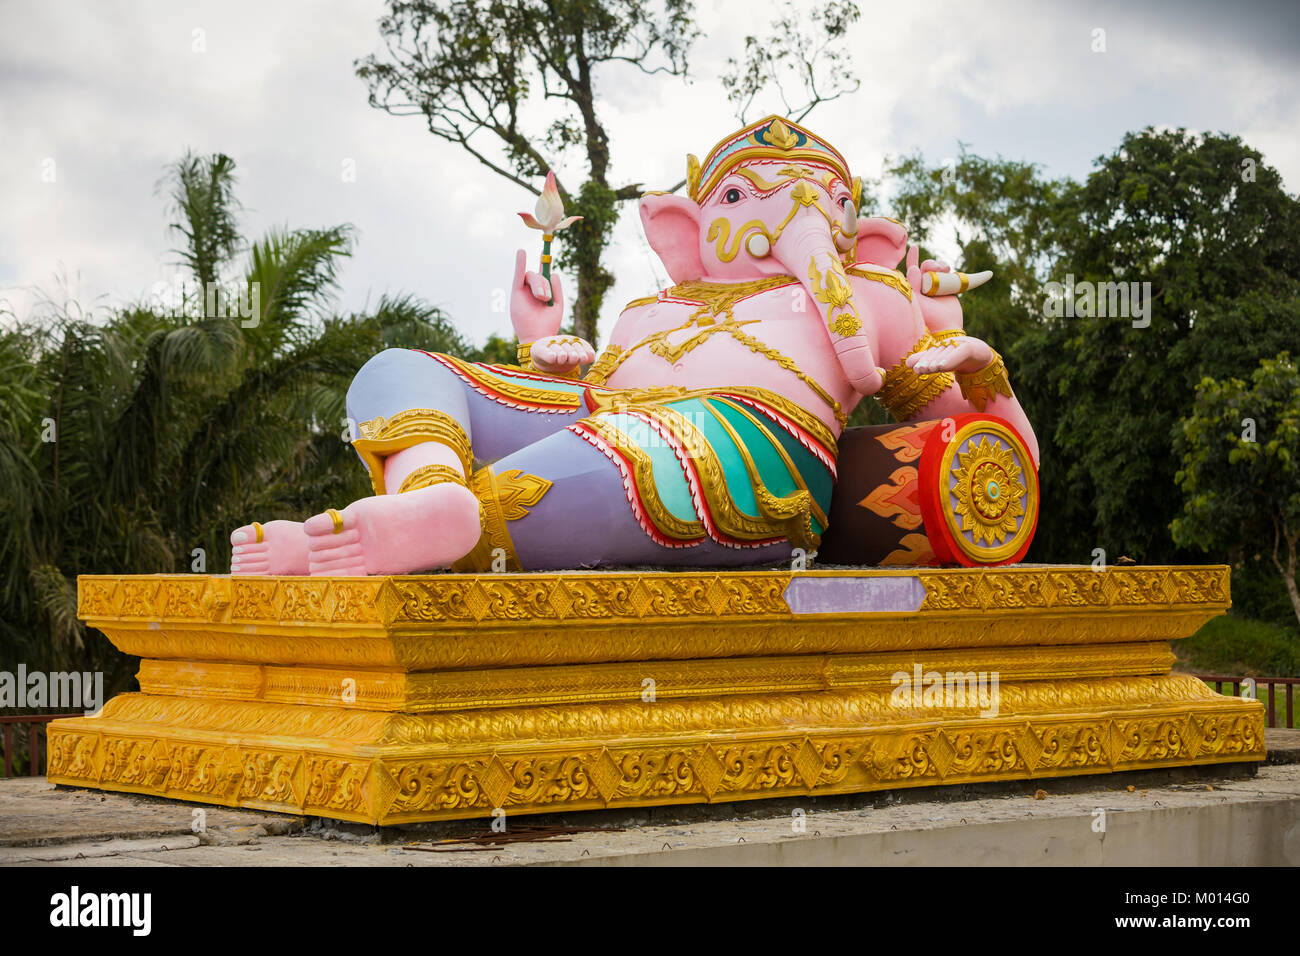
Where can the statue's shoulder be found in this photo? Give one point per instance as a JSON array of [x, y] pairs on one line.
[[867, 275], [642, 302]]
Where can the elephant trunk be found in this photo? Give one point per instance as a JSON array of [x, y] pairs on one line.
[[807, 250]]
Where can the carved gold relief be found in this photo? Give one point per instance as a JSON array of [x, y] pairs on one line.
[[904, 392], [379, 437], [989, 491], [388, 601], [755, 762], [444, 696], [421, 692]]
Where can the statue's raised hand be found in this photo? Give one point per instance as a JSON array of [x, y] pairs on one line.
[[530, 292], [557, 354]]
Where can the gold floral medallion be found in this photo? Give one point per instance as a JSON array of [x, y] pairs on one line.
[[989, 492], [991, 506]]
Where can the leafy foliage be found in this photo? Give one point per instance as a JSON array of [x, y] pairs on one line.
[[1201, 218], [204, 210], [803, 60], [1240, 478], [1241, 647], [478, 71], [132, 439]]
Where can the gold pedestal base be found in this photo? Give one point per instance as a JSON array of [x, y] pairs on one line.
[[388, 700]]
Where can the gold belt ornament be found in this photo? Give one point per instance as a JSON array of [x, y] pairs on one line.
[[617, 400]]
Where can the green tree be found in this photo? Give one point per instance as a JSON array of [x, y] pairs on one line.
[[135, 441], [479, 71], [1201, 218], [1240, 479], [800, 61], [204, 210], [1006, 216], [1172, 209], [488, 75]]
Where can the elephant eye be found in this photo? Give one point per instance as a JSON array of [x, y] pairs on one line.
[[732, 196]]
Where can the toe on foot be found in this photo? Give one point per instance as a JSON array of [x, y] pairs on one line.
[[323, 524]]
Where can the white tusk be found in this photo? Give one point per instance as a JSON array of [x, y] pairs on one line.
[[952, 283], [757, 245]]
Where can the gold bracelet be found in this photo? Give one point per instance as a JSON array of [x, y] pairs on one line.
[[904, 392], [381, 437], [601, 368], [980, 387], [427, 475], [524, 354]]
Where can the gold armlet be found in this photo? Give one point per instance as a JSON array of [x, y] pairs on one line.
[[502, 498], [428, 475], [381, 437], [890, 277], [905, 392], [978, 388], [605, 363]]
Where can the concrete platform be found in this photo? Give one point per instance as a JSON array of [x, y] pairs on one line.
[[1196, 816]]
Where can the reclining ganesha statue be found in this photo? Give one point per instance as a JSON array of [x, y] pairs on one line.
[[710, 430]]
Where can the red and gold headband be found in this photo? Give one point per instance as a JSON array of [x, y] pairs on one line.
[[770, 138]]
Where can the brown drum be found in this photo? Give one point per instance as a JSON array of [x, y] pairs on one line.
[[960, 490]]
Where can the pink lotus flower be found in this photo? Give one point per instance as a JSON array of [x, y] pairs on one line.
[[550, 210]]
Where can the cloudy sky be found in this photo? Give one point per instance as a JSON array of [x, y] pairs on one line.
[[98, 97]]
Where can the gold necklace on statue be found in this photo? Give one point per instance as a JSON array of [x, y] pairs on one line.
[[717, 299]]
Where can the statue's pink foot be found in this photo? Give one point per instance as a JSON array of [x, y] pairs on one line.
[[395, 534], [280, 547]]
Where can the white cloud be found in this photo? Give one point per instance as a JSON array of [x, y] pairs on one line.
[[112, 96]]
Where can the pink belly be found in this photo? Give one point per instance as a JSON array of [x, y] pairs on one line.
[[722, 361]]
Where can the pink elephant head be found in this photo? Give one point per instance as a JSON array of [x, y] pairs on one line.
[[775, 199]]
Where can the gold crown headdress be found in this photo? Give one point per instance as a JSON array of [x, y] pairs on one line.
[[770, 138]]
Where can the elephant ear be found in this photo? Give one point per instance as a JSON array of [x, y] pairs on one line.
[[881, 241], [672, 224]]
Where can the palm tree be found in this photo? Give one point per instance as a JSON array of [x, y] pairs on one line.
[[134, 444]]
